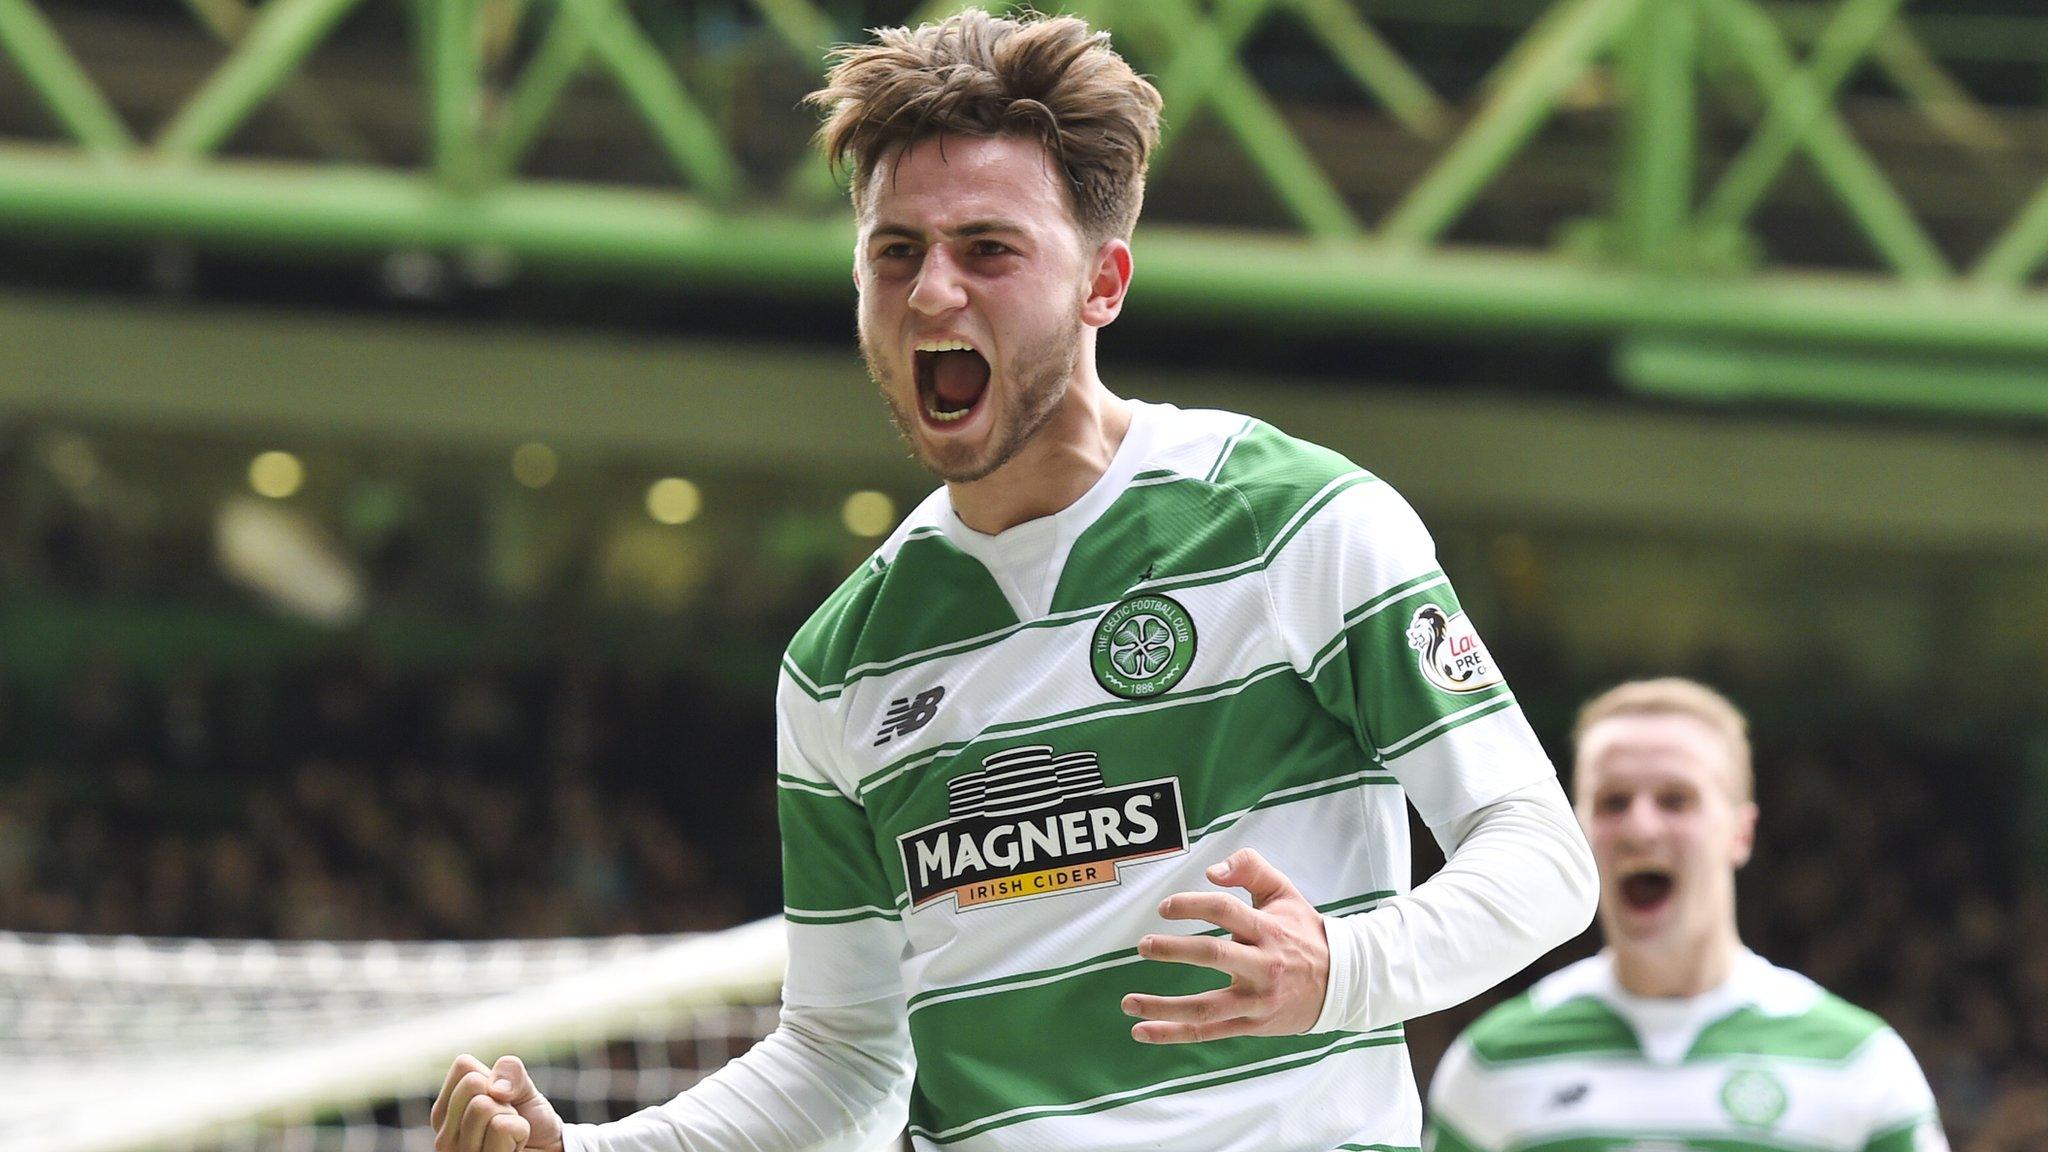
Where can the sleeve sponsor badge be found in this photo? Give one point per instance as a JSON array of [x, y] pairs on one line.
[[1450, 652]]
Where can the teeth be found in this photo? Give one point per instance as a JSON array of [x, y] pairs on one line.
[[944, 346], [945, 417]]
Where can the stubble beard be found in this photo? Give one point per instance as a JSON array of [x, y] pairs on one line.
[[1042, 374]]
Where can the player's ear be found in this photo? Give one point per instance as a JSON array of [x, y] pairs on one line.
[[1745, 832], [1109, 279]]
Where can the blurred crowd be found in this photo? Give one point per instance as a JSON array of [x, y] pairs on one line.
[[343, 799], [346, 801]]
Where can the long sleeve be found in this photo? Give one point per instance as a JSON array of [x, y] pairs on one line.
[[835, 1075], [1518, 881], [1373, 624], [1383, 640], [832, 1079]]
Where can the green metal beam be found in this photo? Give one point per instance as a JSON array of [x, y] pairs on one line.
[[1654, 193], [1937, 94], [229, 21], [1858, 183], [454, 59], [283, 33], [686, 132], [555, 65], [1658, 275], [2015, 255], [1527, 95], [1171, 27], [1842, 46], [1728, 373], [1374, 64], [1244, 277], [55, 75], [1188, 80]]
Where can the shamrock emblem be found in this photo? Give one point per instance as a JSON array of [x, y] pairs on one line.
[[1142, 646]]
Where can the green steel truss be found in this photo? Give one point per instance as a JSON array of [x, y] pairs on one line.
[[1669, 269]]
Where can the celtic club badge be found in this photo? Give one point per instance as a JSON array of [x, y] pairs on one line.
[[1143, 647], [1753, 1096]]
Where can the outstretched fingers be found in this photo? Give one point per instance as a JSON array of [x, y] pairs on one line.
[[1188, 1019], [1238, 960], [1219, 908]]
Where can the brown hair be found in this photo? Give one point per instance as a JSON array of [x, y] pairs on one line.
[[1047, 78], [1677, 696]]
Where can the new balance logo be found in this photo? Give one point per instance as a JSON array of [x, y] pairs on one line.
[[909, 714]]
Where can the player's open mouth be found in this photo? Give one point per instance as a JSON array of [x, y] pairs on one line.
[[952, 379], [1647, 889]]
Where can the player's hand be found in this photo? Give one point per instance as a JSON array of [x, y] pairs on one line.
[[495, 1109], [1277, 957]]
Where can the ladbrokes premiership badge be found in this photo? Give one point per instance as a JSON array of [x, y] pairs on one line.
[[1450, 652], [1142, 647], [1029, 823]]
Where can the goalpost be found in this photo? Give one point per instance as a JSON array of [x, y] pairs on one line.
[[124, 1044]]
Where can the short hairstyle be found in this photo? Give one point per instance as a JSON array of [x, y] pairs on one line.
[[1045, 78], [1676, 696]]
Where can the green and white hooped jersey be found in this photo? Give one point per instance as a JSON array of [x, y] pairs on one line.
[[1768, 1062], [998, 754]]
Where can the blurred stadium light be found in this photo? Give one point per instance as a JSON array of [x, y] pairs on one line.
[[1700, 108]]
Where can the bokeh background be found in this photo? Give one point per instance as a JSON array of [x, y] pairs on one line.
[[422, 425]]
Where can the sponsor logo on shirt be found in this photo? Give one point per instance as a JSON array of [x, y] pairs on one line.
[[1450, 652], [1142, 647], [1029, 823], [908, 714]]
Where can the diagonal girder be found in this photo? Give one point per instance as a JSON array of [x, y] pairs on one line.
[[2020, 250], [1175, 27], [229, 21], [1528, 92], [686, 132], [56, 76], [1843, 44], [563, 52], [1858, 183], [281, 36]]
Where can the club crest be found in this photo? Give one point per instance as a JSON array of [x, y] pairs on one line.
[[1449, 651], [1142, 647]]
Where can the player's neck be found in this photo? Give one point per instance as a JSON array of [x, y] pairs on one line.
[[1056, 468], [1677, 968]]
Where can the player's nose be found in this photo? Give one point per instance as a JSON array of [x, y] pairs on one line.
[[938, 289], [1638, 822]]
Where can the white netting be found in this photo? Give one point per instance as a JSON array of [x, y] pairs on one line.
[[116, 1045]]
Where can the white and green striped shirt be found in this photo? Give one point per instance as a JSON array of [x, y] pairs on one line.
[[999, 753], [1767, 1062]]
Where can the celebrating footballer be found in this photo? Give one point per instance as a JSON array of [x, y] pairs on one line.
[[1094, 779]]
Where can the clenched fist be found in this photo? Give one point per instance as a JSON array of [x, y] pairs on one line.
[[494, 1109]]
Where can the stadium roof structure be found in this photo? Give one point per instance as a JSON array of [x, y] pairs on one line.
[[1683, 233]]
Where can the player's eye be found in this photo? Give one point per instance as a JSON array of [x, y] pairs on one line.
[[1674, 801], [1611, 804], [988, 248], [901, 250]]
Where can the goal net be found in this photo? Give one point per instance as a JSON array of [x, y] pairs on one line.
[[124, 1044]]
